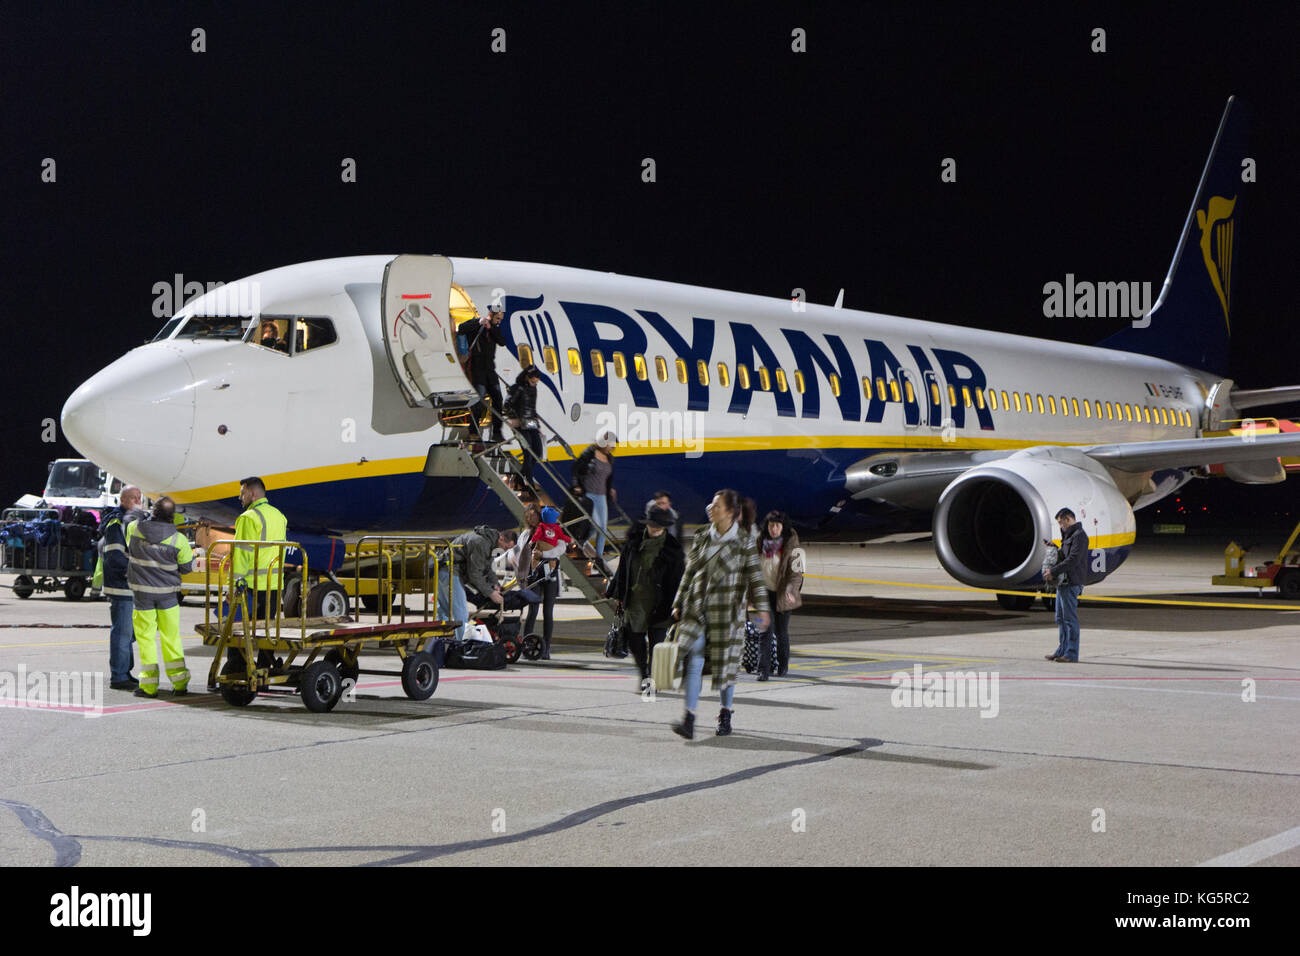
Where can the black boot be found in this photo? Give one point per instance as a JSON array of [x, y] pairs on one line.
[[687, 726], [724, 722]]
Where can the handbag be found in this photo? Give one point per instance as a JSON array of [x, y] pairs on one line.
[[616, 639], [663, 665], [749, 658]]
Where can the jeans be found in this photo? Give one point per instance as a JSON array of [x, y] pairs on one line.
[[599, 518], [121, 640], [1067, 620], [695, 677], [451, 600], [549, 589]]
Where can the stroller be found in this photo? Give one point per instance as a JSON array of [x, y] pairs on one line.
[[503, 622]]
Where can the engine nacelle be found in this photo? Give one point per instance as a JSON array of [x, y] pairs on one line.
[[990, 522]]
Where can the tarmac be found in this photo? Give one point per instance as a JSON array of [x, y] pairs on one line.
[[1171, 743]]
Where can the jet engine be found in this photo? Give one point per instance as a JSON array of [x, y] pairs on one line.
[[990, 522]]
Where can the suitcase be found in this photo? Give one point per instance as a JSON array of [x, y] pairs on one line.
[[663, 665]]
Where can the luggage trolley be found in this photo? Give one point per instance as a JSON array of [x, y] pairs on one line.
[[315, 657], [43, 564]]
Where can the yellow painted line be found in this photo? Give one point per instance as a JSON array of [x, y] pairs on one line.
[[1082, 597]]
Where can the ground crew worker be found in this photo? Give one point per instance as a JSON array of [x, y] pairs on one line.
[[261, 521], [110, 577], [159, 555]]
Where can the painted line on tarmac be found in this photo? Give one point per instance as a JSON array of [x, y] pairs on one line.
[[1259, 850], [1082, 597]]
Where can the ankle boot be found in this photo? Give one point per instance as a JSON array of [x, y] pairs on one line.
[[724, 722], [687, 726]]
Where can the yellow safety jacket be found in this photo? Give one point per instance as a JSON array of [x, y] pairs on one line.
[[262, 521]]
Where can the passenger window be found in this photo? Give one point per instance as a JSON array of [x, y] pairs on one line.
[[965, 396], [1040, 405], [993, 399], [1006, 406], [597, 363], [979, 398], [681, 371], [798, 382], [894, 394], [312, 333], [911, 392], [661, 368], [866, 388], [1109, 416], [551, 359], [934, 395], [1074, 403], [1097, 405], [724, 375], [835, 384], [1016, 396], [575, 362], [620, 365], [880, 389], [525, 356], [1147, 414], [1029, 403], [742, 376], [1051, 403], [1087, 409], [952, 397], [1128, 412], [702, 369], [781, 385], [764, 380], [638, 361]]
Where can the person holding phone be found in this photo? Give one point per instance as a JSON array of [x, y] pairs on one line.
[[1067, 572]]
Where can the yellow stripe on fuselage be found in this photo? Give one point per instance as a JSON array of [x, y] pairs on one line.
[[405, 466]]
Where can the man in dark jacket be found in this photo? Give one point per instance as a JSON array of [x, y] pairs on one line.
[[472, 562], [649, 573], [110, 577], [523, 418], [485, 338], [1068, 574]]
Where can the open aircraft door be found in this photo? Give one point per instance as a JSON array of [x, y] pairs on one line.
[[418, 333]]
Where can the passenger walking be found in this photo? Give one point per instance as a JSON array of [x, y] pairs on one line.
[[662, 499], [484, 340], [547, 542], [521, 406], [111, 578], [721, 579], [783, 563], [159, 555], [645, 585], [593, 476], [1068, 574]]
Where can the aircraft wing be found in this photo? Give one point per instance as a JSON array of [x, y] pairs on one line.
[[1186, 452]]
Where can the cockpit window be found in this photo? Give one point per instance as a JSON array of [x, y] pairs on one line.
[[214, 327], [292, 334], [166, 331]]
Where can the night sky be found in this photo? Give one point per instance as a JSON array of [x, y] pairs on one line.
[[775, 170]]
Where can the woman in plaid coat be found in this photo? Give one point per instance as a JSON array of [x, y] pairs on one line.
[[722, 578]]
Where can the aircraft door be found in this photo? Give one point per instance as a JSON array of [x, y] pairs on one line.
[[913, 401], [934, 410], [418, 333]]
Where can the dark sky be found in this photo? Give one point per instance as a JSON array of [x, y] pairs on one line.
[[775, 170]]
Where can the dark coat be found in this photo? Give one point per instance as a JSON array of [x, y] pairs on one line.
[[1071, 567], [667, 570], [522, 400], [483, 345]]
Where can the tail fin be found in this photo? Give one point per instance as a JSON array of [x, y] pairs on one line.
[[1191, 321]]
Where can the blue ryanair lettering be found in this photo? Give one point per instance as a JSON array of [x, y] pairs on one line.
[[584, 317], [808, 358], [884, 365], [972, 377], [749, 344], [521, 308], [700, 347]]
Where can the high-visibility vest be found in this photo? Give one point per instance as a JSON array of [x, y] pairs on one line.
[[155, 565], [261, 521]]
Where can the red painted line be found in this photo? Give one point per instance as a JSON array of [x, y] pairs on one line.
[[411, 295], [397, 683], [1234, 680]]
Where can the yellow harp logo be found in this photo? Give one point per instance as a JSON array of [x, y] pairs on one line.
[[1215, 221]]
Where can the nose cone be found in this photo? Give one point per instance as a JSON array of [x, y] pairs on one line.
[[135, 418]]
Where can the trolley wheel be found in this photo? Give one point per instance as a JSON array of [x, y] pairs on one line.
[[1288, 585], [1049, 602], [513, 648], [346, 670], [291, 598], [532, 647], [232, 695], [320, 686], [1016, 602], [327, 599], [24, 586], [419, 675], [74, 589]]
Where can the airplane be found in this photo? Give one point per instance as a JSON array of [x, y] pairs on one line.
[[847, 420]]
